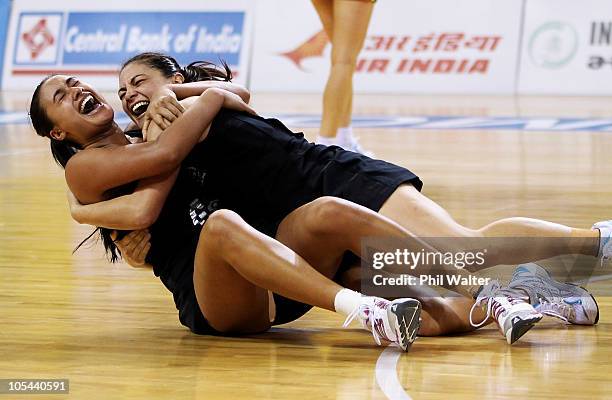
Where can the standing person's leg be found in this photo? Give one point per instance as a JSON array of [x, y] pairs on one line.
[[350, 20], [423, 217], [235, 266]]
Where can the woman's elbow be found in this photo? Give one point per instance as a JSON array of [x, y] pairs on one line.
[[143, 219], [245, 95], [146, 215], [77, 217]]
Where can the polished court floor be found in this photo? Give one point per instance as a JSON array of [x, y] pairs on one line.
[[113, 331]]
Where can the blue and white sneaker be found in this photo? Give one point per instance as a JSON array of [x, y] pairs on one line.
[[570, 303], [605, 239]]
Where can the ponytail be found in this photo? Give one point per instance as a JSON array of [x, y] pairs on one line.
[[205, 71], [195, 72]]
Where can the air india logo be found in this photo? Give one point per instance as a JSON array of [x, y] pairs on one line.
[[313, 47], [37, 39]]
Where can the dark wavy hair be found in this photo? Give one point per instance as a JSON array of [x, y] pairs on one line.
[[197, 71], [62, 151]]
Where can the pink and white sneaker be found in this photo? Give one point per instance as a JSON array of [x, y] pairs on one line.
[[514, 315], [395, 321]]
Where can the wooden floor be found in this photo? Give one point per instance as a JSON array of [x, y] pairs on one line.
[[113, 331]]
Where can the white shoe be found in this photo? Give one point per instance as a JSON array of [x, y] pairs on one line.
[[354, 146], [565, 301], [605, 234], [514, 316], [396, 321]]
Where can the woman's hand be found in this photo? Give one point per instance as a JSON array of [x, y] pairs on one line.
[[163, 109], [150, 131], [235, 102], [134, 247]]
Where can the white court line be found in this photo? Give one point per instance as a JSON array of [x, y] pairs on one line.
[[386, 374]]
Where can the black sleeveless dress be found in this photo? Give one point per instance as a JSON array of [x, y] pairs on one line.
[[260, 169]]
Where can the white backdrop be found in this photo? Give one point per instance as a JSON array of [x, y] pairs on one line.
[[437, 46], [567, 47]]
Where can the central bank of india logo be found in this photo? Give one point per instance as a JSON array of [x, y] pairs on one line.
[[553, 45]]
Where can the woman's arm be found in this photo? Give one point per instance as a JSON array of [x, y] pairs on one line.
[[184, 90], [137, 210], [92, 172]]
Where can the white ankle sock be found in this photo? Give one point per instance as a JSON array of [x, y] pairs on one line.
[[605, 235], [345, 135], [327, 141], [347, 301]]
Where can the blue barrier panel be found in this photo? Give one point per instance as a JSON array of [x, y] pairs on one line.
[[5, 11]]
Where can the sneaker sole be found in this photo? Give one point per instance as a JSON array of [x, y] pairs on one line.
[[594, 301], [408, 316], [521, 327], [596, 305]]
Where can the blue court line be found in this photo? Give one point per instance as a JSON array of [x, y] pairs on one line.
[[417, 122]]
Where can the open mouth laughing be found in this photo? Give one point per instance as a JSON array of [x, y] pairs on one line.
[[89, 104], [139, 108]]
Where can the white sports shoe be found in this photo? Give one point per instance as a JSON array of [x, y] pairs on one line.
[[565, 301], [514, 316], [396, 321], [605, 236], [354, 146]]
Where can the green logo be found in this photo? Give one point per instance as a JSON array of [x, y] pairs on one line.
[[553, 45]]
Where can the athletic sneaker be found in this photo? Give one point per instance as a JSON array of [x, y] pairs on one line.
[[396, 321], [605, 242], [565, 301], [514, 316], [354, 146]]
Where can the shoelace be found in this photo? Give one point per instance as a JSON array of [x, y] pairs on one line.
[[494, 295], [556, 309], [372, 313]]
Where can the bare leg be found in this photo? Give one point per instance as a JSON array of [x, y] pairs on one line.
[[234, 266], [440, 316], [425, 218], [321, 231], [346, 23]]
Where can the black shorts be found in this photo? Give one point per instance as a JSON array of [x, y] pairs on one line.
[[263, 171], [287, 310]]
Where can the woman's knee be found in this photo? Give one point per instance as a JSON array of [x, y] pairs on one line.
[[328, 214], [222, 224], [229, 326]]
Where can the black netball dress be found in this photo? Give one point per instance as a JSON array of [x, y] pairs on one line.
[[265, 171], [260, 169]]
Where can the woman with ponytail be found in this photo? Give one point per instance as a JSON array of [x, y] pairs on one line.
[[218, 267], [267, 174]]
